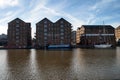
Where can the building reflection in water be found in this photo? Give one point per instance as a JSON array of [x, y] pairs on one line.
[[18, 61], [54, 65], [94, 63], [76, 64]]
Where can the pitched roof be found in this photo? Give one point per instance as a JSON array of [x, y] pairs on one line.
[[62, 19], [96, 26], [15, 20], [43, 20]]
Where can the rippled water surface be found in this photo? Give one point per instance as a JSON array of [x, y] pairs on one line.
[[76, 64]]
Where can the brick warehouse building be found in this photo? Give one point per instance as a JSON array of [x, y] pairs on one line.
[[19, 34], [49, 33], [95, 34]]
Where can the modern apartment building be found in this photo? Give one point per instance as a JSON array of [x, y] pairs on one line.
[[49, 33], [19, 34], [95, 34], [117, 33]]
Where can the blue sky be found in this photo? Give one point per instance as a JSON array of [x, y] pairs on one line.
[[77, 12]]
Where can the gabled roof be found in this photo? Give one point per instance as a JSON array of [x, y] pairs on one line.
[[62, 19], [15, 20], [43, 20], [97, 26]]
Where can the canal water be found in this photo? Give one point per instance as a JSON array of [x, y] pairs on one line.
[[75, 64]]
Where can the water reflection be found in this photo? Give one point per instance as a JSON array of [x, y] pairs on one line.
[[76, 64], [94, 63], [54, 65], [18, 64]]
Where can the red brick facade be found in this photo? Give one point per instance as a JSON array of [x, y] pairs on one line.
[[19, 34], [49, 33]]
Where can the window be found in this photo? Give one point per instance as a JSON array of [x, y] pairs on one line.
[[61, 33], [17, 41], [61, 42], [17, 29], [45, 34], [61, 22], [45, 30], [17, 25], [45, 26], [45, 38], [17, 21], [45, 21], [61, 37], [17, 33], [17, 37], [38, 28], [62, 30], [61, 26]]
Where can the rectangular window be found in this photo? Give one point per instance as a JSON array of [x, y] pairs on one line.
[[17, 33], [62, 30], [17, 29], [45, 22], [61, 37], [61, 22], [45, 34], [45, 38], [17, 21], [45, 26], [17, 41], [61, 42], [61, 26], [61, 33], [17, 25], [45, 30], [17, 37]]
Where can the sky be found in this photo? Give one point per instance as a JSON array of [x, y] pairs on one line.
[[77, 12]]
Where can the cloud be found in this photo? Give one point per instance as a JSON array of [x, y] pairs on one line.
[[75, 21], [38, 9], [101, 4], [42, 10], [3, 29], [102, 11], [7, 18], [6, 3]]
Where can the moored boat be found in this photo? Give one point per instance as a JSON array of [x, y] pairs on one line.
[[58, 46], [103, 46]]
